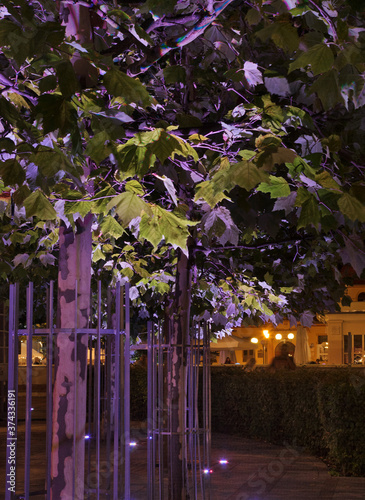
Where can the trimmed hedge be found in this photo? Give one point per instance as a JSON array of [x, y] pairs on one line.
[[320, 409]]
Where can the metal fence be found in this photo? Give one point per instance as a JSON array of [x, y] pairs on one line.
[[107, 439]]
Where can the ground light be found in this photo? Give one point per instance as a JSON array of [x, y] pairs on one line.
[[223, 461]]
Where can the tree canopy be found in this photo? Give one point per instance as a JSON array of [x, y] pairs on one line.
[[229, 132]]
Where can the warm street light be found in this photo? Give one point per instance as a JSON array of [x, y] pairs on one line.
[[278, 336], [290, 336], [266, 334], [254, 340]]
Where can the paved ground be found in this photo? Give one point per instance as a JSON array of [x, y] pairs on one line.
[[255, 471]]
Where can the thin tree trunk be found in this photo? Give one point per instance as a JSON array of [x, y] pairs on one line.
[[179, 331], [69, 407]]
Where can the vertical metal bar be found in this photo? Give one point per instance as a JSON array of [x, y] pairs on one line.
[[161, 414], [207, 403], [89, 412], [150, 408], [155, 404], [108, 386], [74, 471], [49, 388], [127, 394], [116, 395], [28, 403], [97, 376], [11, 438], [122, 388]]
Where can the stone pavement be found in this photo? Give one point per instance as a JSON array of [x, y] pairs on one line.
[[255, 471]]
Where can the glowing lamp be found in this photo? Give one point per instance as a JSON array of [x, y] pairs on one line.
[[266, 334], [223, 461], [290, 336], [254, 340], [132, 443], [278, 336]]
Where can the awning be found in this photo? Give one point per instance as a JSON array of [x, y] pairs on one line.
[[232, 342]]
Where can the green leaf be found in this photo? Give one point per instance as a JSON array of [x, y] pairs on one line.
[[37, 205], [246, 175], [134, 160], [326, 180], [57, 113], [98, 255], [333, 143], [164, 225], [174, 74], [319, 57], [310, 213], [328, 90], [47, 83], [12, 173], [51, 161], [9, 112], [134, 187], [128, 206], [206, 191], [278, 187], [160, 7], [78, 207], [283, 34], [98, 147], [111, 228], [67, 79], [351, 207], [243, 174], [118, 83]]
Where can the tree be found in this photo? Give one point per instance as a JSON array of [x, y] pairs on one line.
[[218, 148]]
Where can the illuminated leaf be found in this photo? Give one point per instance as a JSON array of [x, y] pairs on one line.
[[277, 187], [119, 84], [128, 206], [110, 227], [352, 207], [37, 205]]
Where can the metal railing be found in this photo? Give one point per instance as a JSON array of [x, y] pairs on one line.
[[107, 438]]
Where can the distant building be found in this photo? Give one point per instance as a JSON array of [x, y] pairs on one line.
[[338, 339]]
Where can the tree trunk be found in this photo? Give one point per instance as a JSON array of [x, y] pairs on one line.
[[69, 394], [176, 401]]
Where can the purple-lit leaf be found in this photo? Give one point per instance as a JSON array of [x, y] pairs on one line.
[[277, 86], [306, 319], [252, 73], [287, 204], [354, 254]]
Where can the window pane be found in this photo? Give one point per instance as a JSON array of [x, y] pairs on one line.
[[357, 344]]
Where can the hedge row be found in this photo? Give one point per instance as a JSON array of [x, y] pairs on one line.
[[319, 409]]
